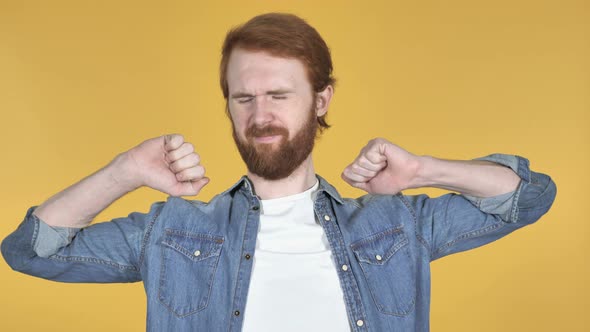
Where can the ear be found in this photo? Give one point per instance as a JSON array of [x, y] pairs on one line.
[[323, 100]]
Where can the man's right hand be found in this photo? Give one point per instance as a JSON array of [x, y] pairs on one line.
[[166, 163]]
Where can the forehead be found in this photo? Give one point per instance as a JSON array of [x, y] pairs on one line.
[[260, 71]]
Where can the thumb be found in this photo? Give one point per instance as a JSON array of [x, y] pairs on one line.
[[360, 185], [173, 141], [356, 184], [192, 188], [377, 155]]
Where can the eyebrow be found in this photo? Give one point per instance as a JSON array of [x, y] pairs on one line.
[[281, 91]]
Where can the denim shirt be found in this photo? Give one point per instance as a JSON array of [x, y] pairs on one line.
[[195, 258]]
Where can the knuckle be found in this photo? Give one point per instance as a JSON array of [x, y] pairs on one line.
[[171, 156], [189, 174], [176, 141], [356, 167]]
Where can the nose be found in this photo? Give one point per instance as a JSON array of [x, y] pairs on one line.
[[263, 113]]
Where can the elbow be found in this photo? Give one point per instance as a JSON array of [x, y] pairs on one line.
[[16, 248], [12, 254], [536, 198]]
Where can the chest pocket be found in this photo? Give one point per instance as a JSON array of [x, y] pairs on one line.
[[189, 261], [389, 270]]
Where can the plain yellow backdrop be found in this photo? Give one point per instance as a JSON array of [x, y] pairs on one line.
[[81, 81]]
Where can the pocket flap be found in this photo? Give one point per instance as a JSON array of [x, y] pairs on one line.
[[377, 249], [195, 246]]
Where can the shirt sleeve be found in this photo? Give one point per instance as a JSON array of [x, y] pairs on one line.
[[501, 205], [52, 238], [453, 223], [103, 252]]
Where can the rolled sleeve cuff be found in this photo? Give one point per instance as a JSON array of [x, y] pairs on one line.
[[504, 205], [51, 238]]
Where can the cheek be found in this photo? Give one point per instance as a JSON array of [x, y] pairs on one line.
[[238, 123]]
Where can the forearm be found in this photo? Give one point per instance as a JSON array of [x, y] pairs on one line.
[[77, 205], [472, 177]]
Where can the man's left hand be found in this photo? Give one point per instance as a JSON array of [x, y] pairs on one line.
[[382, 168]]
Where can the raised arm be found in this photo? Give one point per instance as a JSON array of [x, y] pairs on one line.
[[385, 168], [499, 193], [55, 242], [165, 163]]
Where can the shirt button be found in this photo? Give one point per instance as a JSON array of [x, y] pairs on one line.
[[345, 267], [327, 217], [378, 257], [360, 322], [237, 312], [197, 252], [255, 208], [247, 256]]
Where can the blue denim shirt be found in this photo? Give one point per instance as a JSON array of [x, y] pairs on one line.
[[195, 258]]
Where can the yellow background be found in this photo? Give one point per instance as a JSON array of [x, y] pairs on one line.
[[81, 81]]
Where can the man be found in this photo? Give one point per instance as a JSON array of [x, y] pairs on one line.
[[280, 249]]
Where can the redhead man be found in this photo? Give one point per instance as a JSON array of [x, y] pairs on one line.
[[280, 250]]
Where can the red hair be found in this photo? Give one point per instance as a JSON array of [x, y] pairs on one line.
[[284, 35]]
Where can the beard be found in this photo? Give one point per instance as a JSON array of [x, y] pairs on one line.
[[274, 163]]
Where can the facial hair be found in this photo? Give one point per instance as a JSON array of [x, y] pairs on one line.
[[277, 162]]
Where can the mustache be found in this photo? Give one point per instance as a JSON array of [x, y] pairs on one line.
[[255, 131]]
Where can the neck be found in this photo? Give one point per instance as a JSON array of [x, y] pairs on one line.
[[300, 180]]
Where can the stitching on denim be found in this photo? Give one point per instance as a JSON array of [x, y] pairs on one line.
[[148, 233], [514, 210], [251, 200], [376, 236], [468, 235], [403, 199], [545, 190], [341, 276], [379, 306], [388, 252], [214, 251], [200, 306], [93, 260], [524, 169], [80, 258], [323, 204], [180, 232]]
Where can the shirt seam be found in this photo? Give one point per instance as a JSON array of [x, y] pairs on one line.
[[146, 236], [420, 239]]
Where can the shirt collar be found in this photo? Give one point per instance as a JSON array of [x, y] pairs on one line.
[[245, 185]]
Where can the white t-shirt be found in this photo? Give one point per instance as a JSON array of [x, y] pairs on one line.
[[294, 284]]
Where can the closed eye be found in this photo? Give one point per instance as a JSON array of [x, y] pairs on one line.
[[279, 97], [243, 100]]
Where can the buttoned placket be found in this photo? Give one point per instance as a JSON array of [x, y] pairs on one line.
[[250, 232], [350, 289], [324, 213]]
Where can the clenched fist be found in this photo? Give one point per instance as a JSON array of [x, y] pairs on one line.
[[166, 163], [382, 168]]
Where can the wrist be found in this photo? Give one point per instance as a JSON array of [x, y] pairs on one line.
[[123, 173], [424, 176]]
